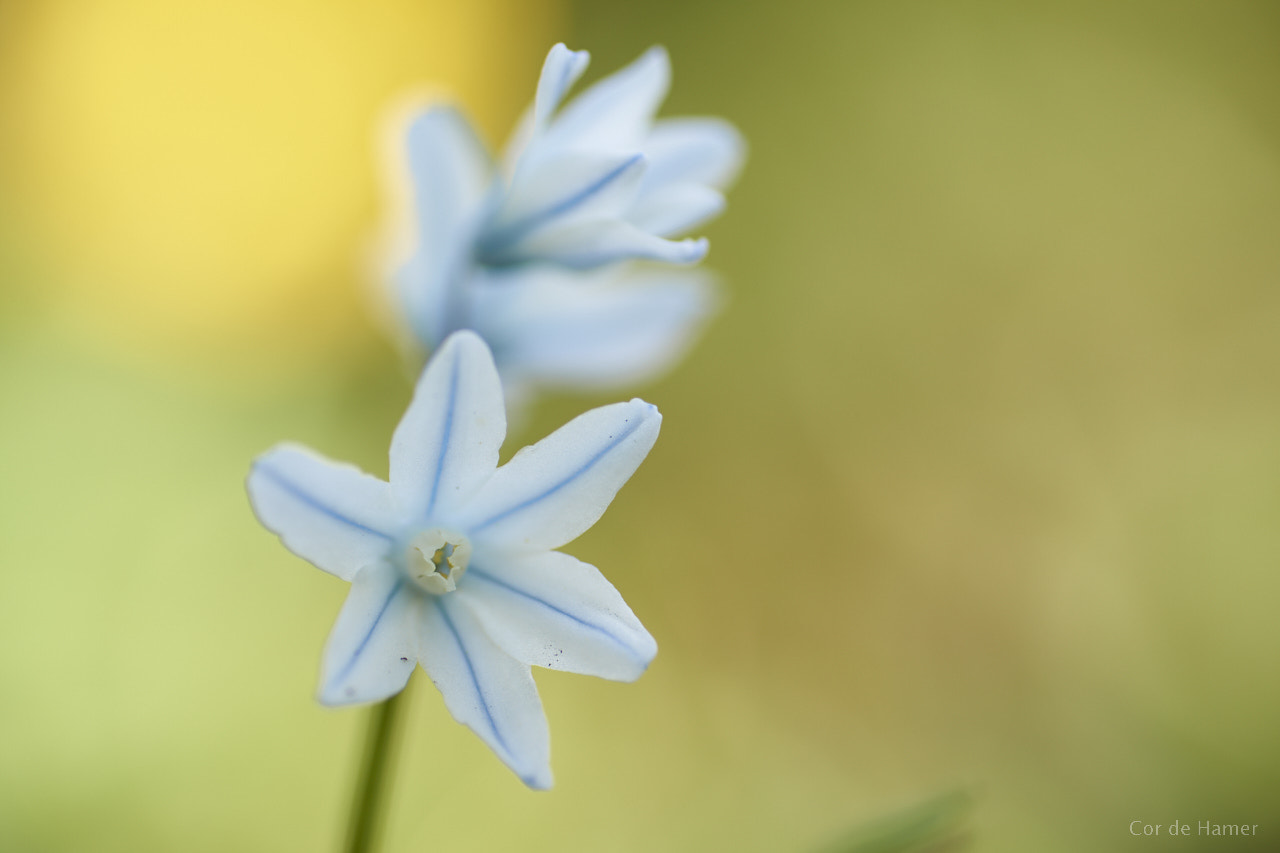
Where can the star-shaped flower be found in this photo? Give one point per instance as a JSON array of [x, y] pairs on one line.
[[453, 564], [591, 185]]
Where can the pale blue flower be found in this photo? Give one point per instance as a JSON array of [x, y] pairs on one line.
[[586, 187], [453, 564]]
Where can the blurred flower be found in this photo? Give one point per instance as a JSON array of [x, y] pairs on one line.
[[583, 188], [452, 563]]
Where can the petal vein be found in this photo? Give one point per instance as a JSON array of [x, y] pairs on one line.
[[471, 671], [475, 572], [586, 466], [294, 490], [359, 650]]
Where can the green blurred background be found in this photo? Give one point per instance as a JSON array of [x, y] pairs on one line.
[[975, 484]]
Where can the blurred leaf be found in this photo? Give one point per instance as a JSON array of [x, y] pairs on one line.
[[932, 827]]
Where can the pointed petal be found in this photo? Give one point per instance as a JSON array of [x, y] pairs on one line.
[[372, 650], [676, 208], [567, 190], [707, 151], [486, 689], [605, 331], [616, 113], [548, 494], [450, 170], [447, 442], [561, 70], [331, 514], [450, 173], [554, 611], [595, 244]]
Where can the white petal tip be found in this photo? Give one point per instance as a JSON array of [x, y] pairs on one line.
[[657, 53], [341, 695], [540, 781], [333, 697], [649, 409], [644, 655], [425, 118], [466, 338], [561, 50], [434, 126], [570, 63], [645, 412], [693, 251]]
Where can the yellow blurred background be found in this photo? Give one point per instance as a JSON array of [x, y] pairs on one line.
[[975, 484]]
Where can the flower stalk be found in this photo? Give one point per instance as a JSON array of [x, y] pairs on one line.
[[376, 770]]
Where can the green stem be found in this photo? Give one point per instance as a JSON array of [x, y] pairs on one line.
[[375, 777]]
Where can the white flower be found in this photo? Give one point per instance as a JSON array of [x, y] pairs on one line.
[[593, 184], [453, 563]]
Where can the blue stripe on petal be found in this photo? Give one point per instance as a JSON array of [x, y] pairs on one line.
[[296, 491], [555, 96], [475, 572], [447, 433], [586, 466], [471, 671], [377, 620], [571, 64], [497, 240], [566, 80], [686, 251]]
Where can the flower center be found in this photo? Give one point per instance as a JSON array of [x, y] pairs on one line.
[[437, 559]]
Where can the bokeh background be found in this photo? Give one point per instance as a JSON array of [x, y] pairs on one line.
[[973, 487]]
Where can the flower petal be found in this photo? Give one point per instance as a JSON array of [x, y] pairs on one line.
[[548, 494], [486, 689], [561, 70], [331, 514], [600, 331], [448, 440], [372, 650], [450, 172], [554, 611], [616, 113], [568, 189], [676, 208], [707, 151], [595, 244], [449, 165]]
